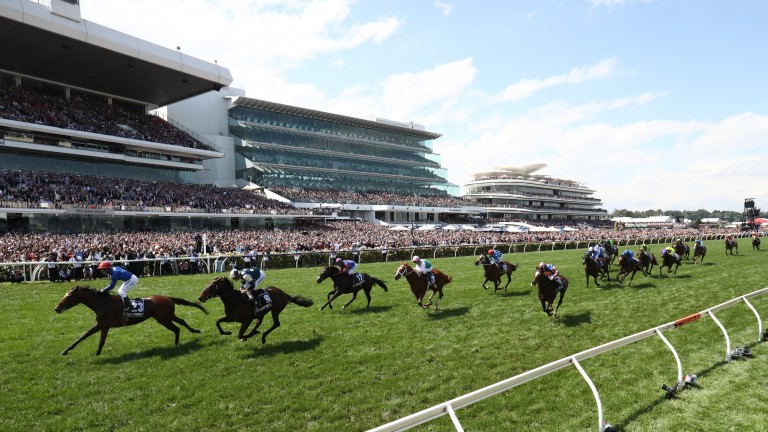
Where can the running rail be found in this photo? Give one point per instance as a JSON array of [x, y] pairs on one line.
[[452, 405]]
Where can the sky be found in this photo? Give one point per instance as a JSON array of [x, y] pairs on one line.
[[654, 104]]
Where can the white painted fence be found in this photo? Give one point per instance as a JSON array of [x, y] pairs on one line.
[[452, 405]]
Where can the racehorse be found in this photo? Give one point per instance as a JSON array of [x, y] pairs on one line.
[[237, 307], [548, 291], [730, 245], [755, 243], [109, 312], [592, 268], [699, 251], [627, 266], [610, 251], [493, 272], [668, 260], [682, 250], [647, 261], [344, 284], [418, 283]]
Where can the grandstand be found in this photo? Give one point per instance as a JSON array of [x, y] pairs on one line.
[[516, 193]]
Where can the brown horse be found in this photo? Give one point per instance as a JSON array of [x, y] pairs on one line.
[[418, 283], [626, 267], [647, 261], [683, 250], [595, 267], [109, 312], [699, 251], [494, 271], [668, 260], [548, 291], [344, 284], [755, 243], [730, 245], [237, 307]]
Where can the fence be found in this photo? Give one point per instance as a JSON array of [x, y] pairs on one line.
[[451, 406]]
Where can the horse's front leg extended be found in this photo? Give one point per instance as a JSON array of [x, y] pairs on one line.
[[221, 330], [328, 303], [485, 282], [89, 332]]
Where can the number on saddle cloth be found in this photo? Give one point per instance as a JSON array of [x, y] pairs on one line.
[[135, 308], [263, 300], [357, 279]]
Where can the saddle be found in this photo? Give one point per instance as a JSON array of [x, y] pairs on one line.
[[262, 301]]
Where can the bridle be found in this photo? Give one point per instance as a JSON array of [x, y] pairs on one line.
[[403, 271]]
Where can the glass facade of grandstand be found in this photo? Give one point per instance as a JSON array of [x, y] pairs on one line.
[[298, 151]]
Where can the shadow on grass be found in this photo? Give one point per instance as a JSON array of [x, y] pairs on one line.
[[650, 407], [643, 285], [371, 309], [287, 347], [164, 353], [516, 293], [575, 320], [448, 313]]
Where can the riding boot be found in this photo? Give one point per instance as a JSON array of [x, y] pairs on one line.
[[126, 304]]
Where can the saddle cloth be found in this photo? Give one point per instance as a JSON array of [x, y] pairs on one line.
[[357, 279], [136, 309]]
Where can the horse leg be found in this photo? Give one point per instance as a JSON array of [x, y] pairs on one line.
[[509, 279], [354, 296], [218, 325], [562, 294], [368, 295], [102, 339], [275, 324], [485, 282], [184, 323], [328, 303], [170, 326], [545, 308], [259, 319], [89, 332], [243, 327]]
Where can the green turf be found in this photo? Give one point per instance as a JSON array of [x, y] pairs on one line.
[[355, 369]]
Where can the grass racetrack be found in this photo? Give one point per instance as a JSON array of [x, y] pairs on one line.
[[354, 369]]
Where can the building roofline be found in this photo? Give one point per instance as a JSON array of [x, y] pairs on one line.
[[337, 118]]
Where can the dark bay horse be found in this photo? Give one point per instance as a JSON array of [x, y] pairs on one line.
[[592, 268], [668, 260], [238, 308], [730, 245], [755, 243], [628, 267], [548, 291], [343, 284], [699, 251], [647, 261], [418, 283], [494, 272], [109, 312], [683, 250]]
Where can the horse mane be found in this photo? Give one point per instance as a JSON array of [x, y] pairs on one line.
[[224, 280], [88, 289]]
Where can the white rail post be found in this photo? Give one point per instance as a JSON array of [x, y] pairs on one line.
[[680, 384], [725, 333], [759, 320], [454, 418], [592, 387]]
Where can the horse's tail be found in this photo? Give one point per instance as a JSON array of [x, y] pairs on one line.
[[183, 302], [380, 283], [301, 301]]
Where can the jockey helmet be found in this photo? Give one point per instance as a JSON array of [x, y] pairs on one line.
[[104, 265], [591, 249], [416, 258], [339, 260], [698, 241], [234, 274], [541, 265], [490, 251]]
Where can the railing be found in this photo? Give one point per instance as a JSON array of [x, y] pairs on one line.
[[452, 405]]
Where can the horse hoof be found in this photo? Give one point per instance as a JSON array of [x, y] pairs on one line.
[[243, 339], [263, 341], [64, 353]]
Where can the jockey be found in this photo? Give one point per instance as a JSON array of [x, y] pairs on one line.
[[699, 243], [594, 252], [668, 250], [644, 248], [348, 266], [119, 274], [251, 278], [550, 271], [494, 256], [599, 251], [628, 254], [755, 235], [729, 237], [425, 267]]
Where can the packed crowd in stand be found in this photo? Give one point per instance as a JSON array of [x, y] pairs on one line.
[[370, 197], [31, 188], [88, 113]]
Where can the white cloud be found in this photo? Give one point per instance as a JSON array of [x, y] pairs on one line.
[[526, 88], [444, 7]]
